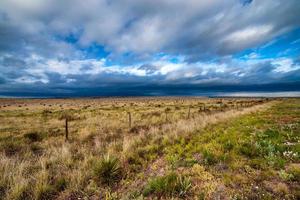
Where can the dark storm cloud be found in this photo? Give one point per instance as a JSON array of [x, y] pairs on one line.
[[2, 80]]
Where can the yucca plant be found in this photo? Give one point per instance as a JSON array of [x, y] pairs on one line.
[[183, 185], [108, 170]]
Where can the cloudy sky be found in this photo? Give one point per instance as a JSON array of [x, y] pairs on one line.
[[148, 47]]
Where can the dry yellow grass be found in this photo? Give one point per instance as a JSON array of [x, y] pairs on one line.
[[49, 167]]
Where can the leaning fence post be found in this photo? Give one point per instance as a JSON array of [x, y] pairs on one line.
[[67, 131]]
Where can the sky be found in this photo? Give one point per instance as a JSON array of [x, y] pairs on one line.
[[55, 48]]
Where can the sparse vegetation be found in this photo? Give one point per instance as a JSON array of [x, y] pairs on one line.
[[169, 148]]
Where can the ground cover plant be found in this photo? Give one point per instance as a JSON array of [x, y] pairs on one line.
[[150, 148]]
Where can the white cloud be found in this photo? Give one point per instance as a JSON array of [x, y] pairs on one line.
[[284, 65], [249, 34], [191, 28], [247, 37]]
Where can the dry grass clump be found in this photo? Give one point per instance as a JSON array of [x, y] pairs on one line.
[[13, 182]]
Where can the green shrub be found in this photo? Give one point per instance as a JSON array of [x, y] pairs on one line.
[[266, 148], [168, 185], [285, 176], [270, 133], [108, 171]]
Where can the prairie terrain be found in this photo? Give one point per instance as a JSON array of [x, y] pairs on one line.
[[150, 148]]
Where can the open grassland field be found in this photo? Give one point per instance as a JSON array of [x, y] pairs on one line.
[[150, 148]]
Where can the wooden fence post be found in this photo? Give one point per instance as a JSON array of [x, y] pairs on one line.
[[129, 119], [189, 112], [67, 130]]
